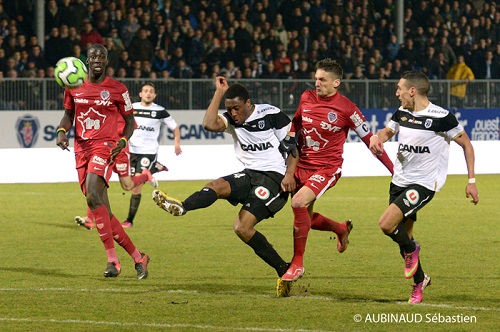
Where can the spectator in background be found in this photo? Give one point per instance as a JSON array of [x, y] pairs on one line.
[[444, 66], [141, 48], [408, 53], [430, 64], [117, 40], [129, 28], [52, 16], [196, 50], [77, 53], [392, 48], [53, 50], [160, 61], [459, 72], [490, 69], [89, 36], [303, 73], [182, 70], [113, 54], [447, 50], [229, 70], [38, 57]]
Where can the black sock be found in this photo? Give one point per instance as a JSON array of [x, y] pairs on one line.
[[135, 200], [419, 275], [200, 199], [265, 250], [401, 237]]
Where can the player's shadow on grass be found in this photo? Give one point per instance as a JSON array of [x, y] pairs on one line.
[[39, 271], [69, 225]]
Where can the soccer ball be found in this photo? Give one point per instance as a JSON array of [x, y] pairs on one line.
[[70, 72]]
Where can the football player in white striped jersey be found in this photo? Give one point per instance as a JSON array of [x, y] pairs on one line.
[[144, 145], [425, 132], [257, 130]]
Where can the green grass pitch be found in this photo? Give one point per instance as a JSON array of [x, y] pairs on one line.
[[202, 277]]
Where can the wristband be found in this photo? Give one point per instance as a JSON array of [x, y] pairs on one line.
[[473, 180], [61, 130], [124, 139]]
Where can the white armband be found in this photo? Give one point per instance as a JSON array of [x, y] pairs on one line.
[[362, 130]]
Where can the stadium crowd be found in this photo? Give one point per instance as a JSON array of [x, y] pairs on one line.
[[264, 39]]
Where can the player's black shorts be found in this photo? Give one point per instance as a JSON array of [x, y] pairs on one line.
[[140, 161], [410, 199], [259, 192]]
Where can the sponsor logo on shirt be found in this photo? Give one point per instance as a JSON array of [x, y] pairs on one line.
[[307, 119], [329, 127], [414, 149], [146, 128], [257, 147], [81, 101]]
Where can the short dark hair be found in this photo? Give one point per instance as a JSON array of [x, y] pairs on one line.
[[98, 46], [417, 79], [237, 90], [148, 83], [330, 66]]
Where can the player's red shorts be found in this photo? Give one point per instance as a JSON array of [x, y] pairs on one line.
[[319, 180], [96, 160]]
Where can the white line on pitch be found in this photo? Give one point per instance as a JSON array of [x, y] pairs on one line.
[[181, 291], [154, 325]]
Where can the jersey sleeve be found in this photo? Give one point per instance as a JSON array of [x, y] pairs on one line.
[[453, 128], [281, 125], [69, 103], [356, 118], [393, 124], [169, 121], [124, 103]]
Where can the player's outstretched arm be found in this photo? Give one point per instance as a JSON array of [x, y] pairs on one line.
[[376, 145], [211, 120], [471, 190], [177, 141]]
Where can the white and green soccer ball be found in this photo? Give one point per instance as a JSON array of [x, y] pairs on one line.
[[70, 72]]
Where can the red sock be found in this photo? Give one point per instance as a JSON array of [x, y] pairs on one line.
[[301, 226], [139, 179], [103, 225], [322, 223], [122, 238], [90, 216]]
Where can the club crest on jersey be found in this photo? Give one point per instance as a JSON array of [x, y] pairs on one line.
[[332, 117], [105, 94], [261, 124], [412, 196], [262, 192], [153, 114], [428, 123], [27, 130]]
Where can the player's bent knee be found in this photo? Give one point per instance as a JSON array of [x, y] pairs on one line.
[[243, 232], [386, 226]]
